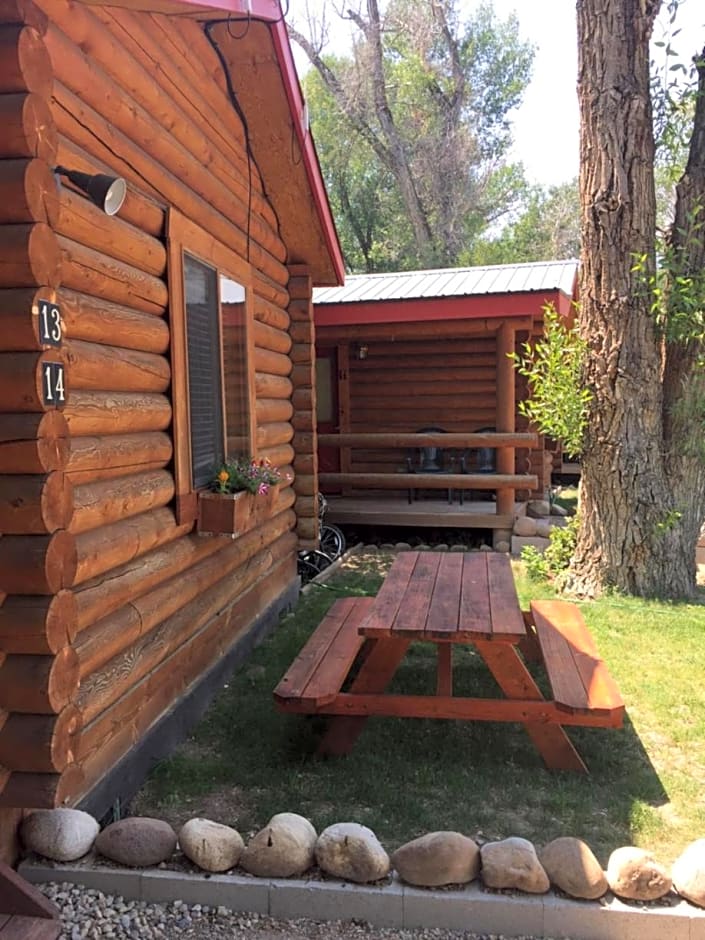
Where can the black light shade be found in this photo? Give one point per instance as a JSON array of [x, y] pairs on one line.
[[108, 192]]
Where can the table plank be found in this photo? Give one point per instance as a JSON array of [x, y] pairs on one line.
[[474, 617], [384, 610], [444, 609], [505, 615], [413, 609]]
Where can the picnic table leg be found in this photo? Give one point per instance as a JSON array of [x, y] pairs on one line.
[[381, 662], [515, 680], [444, 669]]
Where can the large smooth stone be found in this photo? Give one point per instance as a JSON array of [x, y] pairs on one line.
[[351, 852], [137, 841], [284, 848], [513, 863], [525, 526], [438, 858], [635, 874], [210, 845], [60, 834], [571, 865], [688, 873]]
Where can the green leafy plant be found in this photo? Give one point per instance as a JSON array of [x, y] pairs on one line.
[[557, 403], [554, 561], [238, 474]]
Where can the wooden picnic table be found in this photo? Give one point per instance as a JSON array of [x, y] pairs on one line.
[[449, 599]]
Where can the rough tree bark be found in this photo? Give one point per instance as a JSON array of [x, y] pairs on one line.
[[642, 501]]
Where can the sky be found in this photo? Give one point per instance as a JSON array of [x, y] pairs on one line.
[[546, 126]]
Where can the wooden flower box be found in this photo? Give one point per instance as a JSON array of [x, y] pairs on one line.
[[234, 513]]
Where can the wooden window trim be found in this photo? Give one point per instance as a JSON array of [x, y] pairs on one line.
[[182, 235]]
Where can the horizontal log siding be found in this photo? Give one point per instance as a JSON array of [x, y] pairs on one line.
[[152, 605]]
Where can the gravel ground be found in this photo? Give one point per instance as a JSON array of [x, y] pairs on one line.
[[87, 914]]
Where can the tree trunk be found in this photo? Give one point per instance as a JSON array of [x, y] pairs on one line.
[[626, 540]]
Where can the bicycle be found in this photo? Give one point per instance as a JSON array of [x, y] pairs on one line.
[[331, 538], [310, 563]]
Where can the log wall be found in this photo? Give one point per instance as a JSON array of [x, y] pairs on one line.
[[111, 608], [407, 384]]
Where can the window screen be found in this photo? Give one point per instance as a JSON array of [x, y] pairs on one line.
[[205, 383]]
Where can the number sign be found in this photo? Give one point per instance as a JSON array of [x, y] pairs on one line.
[[50, 323], [53, 383]]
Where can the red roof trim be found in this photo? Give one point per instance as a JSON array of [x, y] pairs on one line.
[[475, 307], [313, 168]]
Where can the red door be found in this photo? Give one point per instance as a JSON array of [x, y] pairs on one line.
[[327, 409]]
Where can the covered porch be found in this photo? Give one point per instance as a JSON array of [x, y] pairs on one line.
[[459, 496]]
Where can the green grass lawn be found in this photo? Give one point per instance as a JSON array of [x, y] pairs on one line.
[[246, 761]]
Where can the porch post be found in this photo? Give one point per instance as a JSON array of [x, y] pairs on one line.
[[303, 398], [505, 421]]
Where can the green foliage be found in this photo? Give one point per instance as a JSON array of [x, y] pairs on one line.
[[547, 229], [554, 561], [558, 402], [450, 86]]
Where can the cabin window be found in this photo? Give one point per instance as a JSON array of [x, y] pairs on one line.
[[212, 394]]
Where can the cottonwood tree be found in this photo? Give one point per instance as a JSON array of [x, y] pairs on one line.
[[642, 317], [547, 228], [426, 97]]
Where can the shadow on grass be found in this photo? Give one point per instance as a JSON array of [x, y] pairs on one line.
[[404, 776]]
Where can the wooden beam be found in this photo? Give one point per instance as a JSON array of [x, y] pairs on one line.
[[423, 329], [429, 481], [403, 439]]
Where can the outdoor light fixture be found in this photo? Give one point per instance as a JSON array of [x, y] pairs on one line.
[[108, 192], [361, 350]]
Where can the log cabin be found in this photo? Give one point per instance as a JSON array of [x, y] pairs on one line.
[[162, 223], [402, 353]]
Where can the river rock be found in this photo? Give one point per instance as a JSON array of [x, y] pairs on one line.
[[538, 508], [635, 874], [543, 528], [210, 845], [438, 858], [284, 848], [60, 834], [525, 526], [513, 863], [688, 873], [352, 852], [572, 867], [137, 841]]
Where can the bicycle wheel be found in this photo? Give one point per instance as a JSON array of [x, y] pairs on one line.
[[311, 563], [332, 540]]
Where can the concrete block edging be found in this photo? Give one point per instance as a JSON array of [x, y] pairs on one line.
[[396, 905]]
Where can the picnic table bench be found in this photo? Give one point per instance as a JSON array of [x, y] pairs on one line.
[[344, 669]]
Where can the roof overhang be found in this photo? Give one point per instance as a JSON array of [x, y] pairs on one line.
[[263, 75], [441, 309]]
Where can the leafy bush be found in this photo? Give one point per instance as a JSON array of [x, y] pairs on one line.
[[551, 565]]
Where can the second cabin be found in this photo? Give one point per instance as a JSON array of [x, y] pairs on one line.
[[417, 394]]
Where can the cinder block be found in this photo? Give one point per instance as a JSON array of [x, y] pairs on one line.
[[614, 920], [519, 541], [337, 900], [473, 909], [235, 892]]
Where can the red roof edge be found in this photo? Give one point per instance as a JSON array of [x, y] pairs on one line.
[[308, 149]]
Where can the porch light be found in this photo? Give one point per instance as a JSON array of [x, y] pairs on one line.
[[361, 350], [107, 192]]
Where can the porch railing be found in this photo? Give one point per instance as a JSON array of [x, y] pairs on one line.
[[504, 483]]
